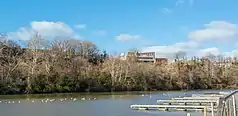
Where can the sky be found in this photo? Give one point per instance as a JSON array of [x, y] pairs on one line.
[[197, 27]]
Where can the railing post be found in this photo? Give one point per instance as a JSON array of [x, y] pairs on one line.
[[227, 109], [205, 111], [234, 105], [188, 114], [212, 109], [230, 103]]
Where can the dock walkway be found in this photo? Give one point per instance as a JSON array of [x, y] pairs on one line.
[[218, 103]]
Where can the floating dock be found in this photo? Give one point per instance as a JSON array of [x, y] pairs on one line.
[[170, 108], [197, 102], [197, 98], [189, 102]]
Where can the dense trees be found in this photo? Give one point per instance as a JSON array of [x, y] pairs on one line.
[[79, 66]]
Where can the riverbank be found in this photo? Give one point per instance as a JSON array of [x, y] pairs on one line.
[[42, 95], [53, 70]]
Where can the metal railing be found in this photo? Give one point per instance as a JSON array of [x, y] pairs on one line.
[[228, 105]]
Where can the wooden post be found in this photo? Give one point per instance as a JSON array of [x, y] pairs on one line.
[[228, 108], [205, 111], [188, 114], [212, 109], [234, 105]]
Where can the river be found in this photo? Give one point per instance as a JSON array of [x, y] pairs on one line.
[[96, 104]]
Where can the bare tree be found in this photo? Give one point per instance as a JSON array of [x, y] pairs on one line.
[[9, 54], [180, 55], [36, 47]]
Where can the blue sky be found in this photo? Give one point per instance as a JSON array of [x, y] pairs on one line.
[[197, 27]]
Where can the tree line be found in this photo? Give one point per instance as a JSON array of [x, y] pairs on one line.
[[79, 66]]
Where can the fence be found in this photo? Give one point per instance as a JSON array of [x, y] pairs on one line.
[[228, 105]]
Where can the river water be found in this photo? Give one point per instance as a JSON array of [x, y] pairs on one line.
[[96, 104]]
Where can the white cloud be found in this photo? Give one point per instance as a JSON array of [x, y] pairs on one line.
[[100, 32], [216, 52], [178, 2], [189, 48], [189, 44], [80, 26], [52, 28], [208, 51], [126, 37], [215, 30], [170, 50], [233, 53], [45, 29], [3, 37], [166, 10], [22, 34]]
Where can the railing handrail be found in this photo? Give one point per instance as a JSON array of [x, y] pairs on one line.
[[229, 95], [224, 99]]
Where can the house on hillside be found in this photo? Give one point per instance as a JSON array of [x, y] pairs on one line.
[[143, 57]]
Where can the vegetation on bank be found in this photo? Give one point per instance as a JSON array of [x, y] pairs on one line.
[[79, 66]]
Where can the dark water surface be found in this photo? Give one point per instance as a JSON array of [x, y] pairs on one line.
[[99, 104]]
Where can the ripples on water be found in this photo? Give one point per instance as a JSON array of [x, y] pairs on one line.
[[100, 104]]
